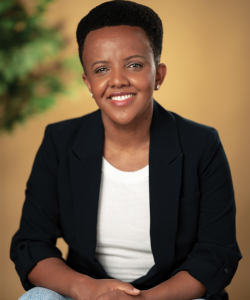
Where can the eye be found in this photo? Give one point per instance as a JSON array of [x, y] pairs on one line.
[[101, 70], [135, 65]]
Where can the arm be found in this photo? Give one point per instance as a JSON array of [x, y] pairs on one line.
[[37, 260], [181, 286], [214, 256], [55, 275], [40, 221]]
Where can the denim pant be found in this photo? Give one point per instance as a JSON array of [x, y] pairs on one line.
[[39, 293]]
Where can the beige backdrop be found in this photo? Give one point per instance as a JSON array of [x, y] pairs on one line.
[[206, 49]]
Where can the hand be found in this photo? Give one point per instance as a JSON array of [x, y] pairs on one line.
[[120, 295], [91, 289]]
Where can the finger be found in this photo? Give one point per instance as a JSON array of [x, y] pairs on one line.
[[127, 288]]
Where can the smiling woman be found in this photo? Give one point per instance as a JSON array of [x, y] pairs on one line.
[[142, 196], [122, 75]]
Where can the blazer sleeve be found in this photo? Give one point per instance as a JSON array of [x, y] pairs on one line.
[[40, 222], [214, 257]]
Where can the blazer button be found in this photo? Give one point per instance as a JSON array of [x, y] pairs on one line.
[[226, 270]]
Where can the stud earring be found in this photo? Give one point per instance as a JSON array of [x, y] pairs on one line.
[[91, 95], [158, 86]]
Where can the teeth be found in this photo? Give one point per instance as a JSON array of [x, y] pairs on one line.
[[120, 98]]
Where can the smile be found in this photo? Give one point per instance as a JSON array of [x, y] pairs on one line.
[[124, 97]]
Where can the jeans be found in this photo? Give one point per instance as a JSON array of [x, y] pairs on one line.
[[39, 293]]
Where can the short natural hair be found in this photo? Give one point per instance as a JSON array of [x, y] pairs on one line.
[[121, 12]]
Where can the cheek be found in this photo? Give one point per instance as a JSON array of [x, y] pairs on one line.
[[144, 81], [99, 85]]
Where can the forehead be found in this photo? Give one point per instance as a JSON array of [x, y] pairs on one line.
[[117, 40]]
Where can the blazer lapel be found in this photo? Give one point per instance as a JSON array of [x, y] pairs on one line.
[[165, 172], [85, 173]]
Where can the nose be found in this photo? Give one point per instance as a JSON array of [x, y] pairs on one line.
[[118, 79]]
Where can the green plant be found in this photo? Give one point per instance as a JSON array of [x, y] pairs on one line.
[[31, 71]]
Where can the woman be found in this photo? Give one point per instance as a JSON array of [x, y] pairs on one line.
[[142, 196]]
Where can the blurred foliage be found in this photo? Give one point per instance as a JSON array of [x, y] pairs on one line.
[[31, 71]]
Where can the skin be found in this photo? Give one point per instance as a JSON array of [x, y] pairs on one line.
[[126, 146], [52, 273], [126, 138]]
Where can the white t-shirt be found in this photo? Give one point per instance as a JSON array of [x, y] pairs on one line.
[[123, 226]]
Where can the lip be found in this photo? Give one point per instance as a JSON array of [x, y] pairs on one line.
[[122, 102], [120, 94]]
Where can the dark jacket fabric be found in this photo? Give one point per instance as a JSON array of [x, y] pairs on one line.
[[192, 206]]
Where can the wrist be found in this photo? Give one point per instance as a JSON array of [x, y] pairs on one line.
[[154, 294], [77, 283], [145, 295]]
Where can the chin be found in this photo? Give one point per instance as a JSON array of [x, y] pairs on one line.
[[123, 121], [119, 117]]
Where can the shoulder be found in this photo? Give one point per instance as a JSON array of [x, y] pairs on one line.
[[71, 125], [194, 137], [190, 130], [65, 132]]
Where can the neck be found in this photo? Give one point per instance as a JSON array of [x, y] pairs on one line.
[[129, 137]]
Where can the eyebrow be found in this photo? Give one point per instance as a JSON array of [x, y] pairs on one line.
[[127, 58]]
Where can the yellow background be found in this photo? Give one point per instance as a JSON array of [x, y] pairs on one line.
[[206, 49]]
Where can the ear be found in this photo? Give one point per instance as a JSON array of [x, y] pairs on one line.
[[161, 71], [86, 81]]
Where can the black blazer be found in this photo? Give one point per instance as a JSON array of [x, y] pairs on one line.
[[192, 207]]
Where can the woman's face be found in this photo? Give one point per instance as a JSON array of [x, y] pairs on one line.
[[120, 72]]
